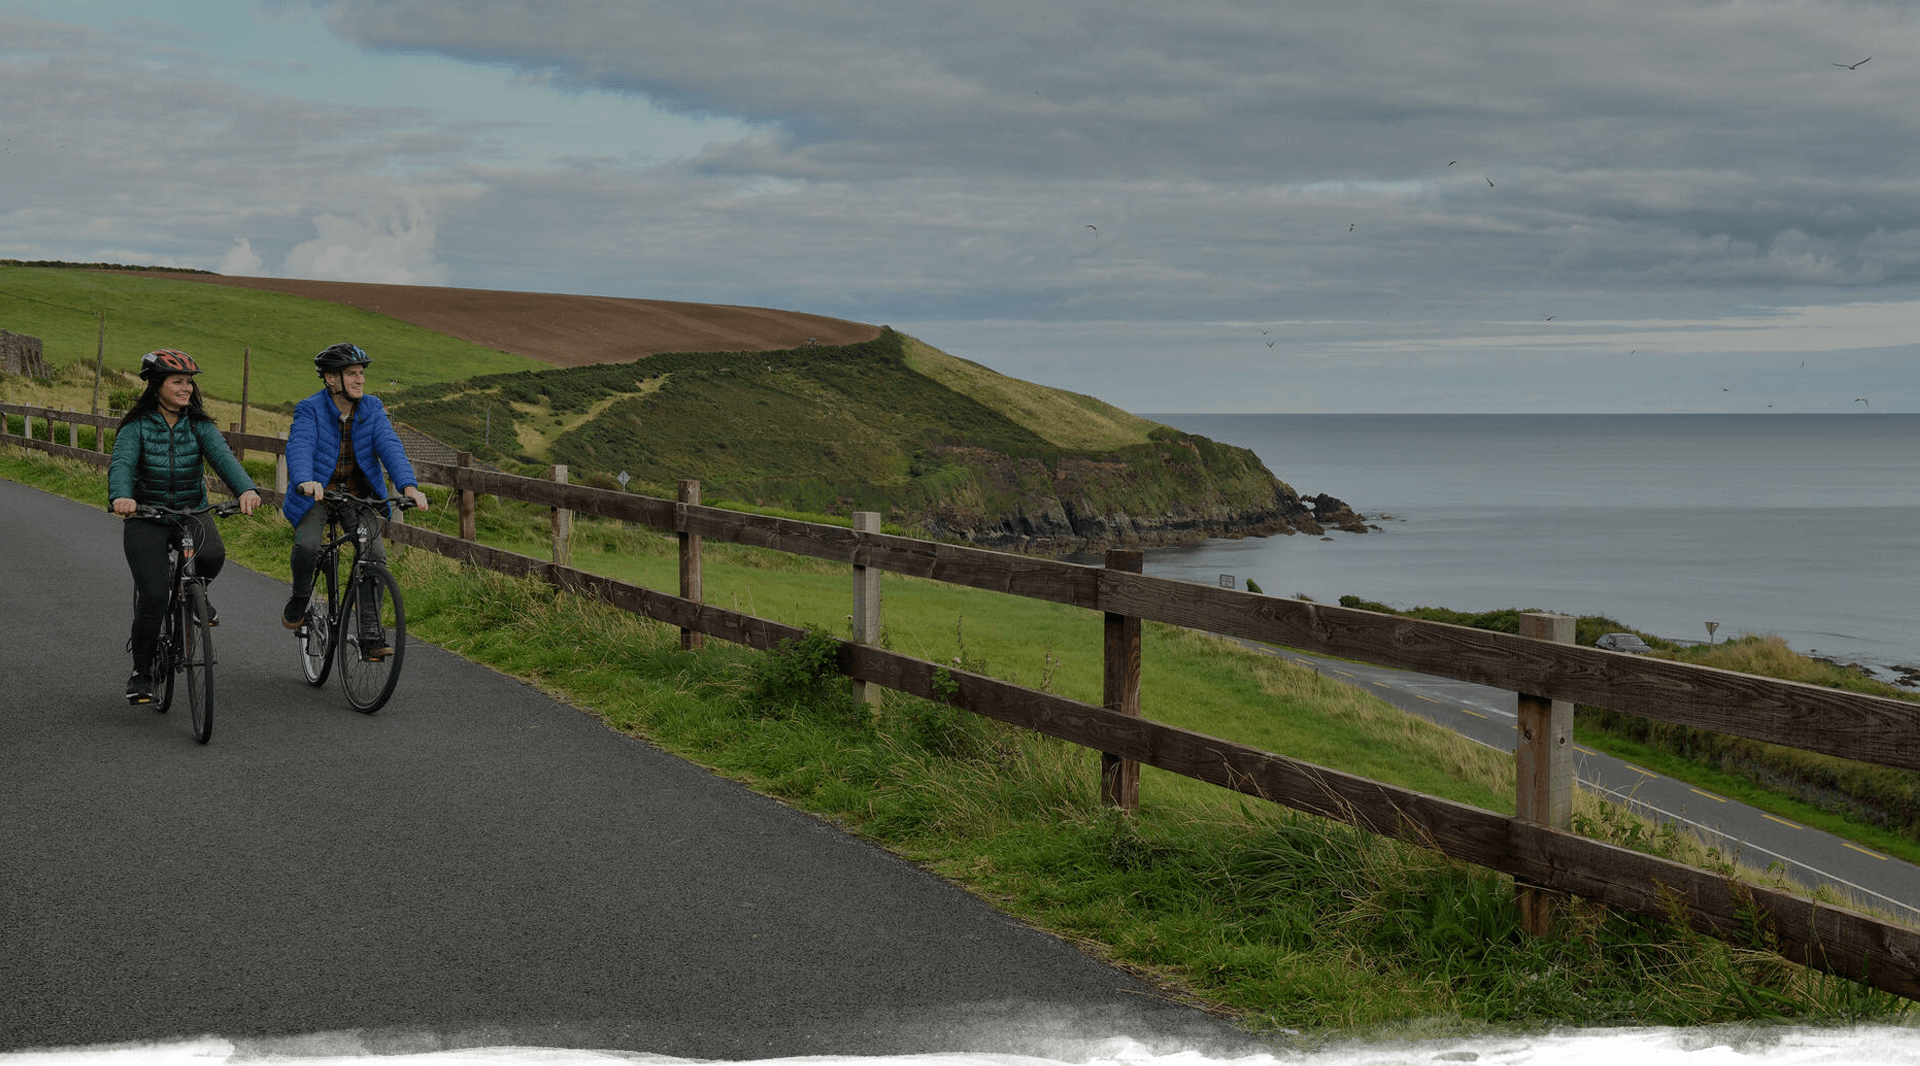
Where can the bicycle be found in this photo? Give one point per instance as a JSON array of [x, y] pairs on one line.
[[338, 614], [186, 634]]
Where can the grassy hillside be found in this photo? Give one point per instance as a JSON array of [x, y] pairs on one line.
[[216, 325], [892, 424], [944, 445]]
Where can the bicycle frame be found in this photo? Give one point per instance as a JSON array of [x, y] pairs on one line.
[[342, 604], [185, 643]]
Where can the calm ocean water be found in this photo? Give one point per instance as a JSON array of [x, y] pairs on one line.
[[1802, 526]]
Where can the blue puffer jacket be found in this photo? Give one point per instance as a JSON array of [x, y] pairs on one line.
[[154, 463], [313, 446]]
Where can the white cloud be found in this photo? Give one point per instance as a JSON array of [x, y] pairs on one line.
[[394, 251], [241, 260]]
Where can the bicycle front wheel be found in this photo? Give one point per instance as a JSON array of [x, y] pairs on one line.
[[367, 676], [165, 656], [316, 634], [196, 660]]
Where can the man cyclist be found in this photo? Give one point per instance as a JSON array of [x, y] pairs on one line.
[[160, 455], [341, 441]]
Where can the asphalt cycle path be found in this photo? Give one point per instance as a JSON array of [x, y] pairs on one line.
[[1810, 856], [475, 865]]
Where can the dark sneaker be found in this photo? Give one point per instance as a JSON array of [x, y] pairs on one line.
[[140, 689], [294, 614], [373, 646]]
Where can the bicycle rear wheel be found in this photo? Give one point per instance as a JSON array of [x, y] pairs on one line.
[[316, 635], [196, 660], [369, 682]]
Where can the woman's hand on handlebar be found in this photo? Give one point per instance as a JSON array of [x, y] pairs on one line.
[[248, 501], [124, 506]]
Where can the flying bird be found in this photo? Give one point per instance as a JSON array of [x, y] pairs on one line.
[[1852, 66], [1861, 399], [1455, 161], [1269, 344], [1489, 183], [1350, 226], [1547, 317], [1093, 227]]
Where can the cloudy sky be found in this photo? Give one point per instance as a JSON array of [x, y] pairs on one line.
[[1175, 205]]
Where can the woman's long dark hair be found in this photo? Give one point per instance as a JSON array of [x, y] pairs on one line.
[[150, 401]]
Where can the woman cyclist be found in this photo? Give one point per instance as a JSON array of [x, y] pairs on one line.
[[340, 440], [159, 457]]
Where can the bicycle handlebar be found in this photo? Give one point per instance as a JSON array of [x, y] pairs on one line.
[[404, 502], [224, 509]]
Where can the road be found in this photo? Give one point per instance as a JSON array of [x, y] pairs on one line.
[[476, 865], [1810, 856]]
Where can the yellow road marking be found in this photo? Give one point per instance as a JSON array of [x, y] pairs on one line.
[[1429, 699], [1637, 770], [1864, 851], [1709, 795], [1782, 821], [1471, 711]]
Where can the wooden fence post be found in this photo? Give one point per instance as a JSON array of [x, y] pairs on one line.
[[562, 523], [1543, 763], [690, 639], [468, 522], [280, 468], [1120, 778], [73, 429], [866, 604]]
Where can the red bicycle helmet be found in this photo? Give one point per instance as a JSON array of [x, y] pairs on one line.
[[164, 362]]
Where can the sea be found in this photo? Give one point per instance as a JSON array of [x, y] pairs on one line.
[[1692, 527]]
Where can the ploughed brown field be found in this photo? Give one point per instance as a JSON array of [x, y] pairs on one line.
[[571, 330]]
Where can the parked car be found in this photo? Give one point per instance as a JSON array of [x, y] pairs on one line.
[[1626, 642]]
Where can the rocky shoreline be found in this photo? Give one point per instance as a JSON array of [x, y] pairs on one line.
[[1057, 527]]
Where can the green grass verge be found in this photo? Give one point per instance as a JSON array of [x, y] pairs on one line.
[[1875, 806], [1276, 918]]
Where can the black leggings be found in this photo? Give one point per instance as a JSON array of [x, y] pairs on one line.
[[146, 542]]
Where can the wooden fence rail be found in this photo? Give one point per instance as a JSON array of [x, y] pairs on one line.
[[1538, 855]]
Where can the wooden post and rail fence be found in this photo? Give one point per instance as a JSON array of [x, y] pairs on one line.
[[1541, 664]]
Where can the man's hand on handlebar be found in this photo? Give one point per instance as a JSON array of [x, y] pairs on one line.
[[315, 489], [419, 498]]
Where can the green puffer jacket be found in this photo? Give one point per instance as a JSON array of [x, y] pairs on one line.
[[154, 463]]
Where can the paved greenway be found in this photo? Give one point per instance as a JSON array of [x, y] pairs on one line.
[[1808, 855], [476, 865]]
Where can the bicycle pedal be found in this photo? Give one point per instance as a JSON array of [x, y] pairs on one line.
[[135, 701]]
